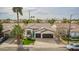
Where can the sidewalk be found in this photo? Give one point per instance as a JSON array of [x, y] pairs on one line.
[[32, 46]]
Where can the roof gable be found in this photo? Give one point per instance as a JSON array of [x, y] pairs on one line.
[[44, 30]]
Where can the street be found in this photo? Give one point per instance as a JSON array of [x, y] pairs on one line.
[[34, 49], [49, 49]]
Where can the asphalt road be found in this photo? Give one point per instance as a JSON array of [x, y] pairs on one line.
[[49, 49], [8, 49], [34, 49]]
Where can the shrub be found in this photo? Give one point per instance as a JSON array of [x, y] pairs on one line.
[[66, 38], [30, 39]]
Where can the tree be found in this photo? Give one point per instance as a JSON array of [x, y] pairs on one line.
[[28, 21], [77, 21], [25, 21], [65, 20], [51, 21], [17, 32], [38, 21], [6, 20], [17, 29], [17, 10]]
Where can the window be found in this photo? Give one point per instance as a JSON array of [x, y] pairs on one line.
[[28, 32]]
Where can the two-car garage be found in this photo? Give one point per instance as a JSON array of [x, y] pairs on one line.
[[39, 35], [47, 35]]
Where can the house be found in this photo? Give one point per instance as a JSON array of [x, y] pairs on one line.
[[75, 32], [74, 29], [39, 30]]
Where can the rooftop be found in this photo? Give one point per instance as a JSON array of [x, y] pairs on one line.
[[74, 27], [39, 26]]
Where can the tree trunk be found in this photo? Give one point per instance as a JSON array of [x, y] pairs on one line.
[[17, 17], [18, 40], [20, 46], [18, 36]]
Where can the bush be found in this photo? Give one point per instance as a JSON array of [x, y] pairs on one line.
[[66, 38], [29, 39]]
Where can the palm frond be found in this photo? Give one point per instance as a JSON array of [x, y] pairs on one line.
[[17, 9]]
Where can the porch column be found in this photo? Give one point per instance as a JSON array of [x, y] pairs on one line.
[[34, 35]]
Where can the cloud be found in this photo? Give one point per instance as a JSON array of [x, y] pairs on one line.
[[40, 12]]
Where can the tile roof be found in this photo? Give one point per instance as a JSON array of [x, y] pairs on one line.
[[74, 27], [39, 26]]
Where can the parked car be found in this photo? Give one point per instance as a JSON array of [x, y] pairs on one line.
[[3, 38], [72, 47]]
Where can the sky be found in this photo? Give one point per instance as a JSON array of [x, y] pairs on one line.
[[41, 12]]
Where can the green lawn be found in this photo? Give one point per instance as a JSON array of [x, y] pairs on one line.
[[27, 41]]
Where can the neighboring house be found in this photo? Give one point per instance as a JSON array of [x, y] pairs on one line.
[[74, 30], [39, 30]]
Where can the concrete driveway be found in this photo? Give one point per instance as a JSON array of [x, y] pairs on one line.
[[46, 42]]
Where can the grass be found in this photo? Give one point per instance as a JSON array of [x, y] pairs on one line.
[[28, 41]]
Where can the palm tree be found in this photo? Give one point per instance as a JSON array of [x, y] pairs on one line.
[[17, 10], [17, 31]]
